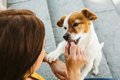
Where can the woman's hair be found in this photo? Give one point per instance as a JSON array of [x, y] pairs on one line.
[[21, 41]]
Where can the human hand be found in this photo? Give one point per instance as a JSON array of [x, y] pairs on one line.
[[59, 69], [75, 60]]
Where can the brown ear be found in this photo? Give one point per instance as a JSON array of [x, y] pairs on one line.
[[89, 14], [60, 22]]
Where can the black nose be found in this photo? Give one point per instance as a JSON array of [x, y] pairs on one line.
[[66, 36]]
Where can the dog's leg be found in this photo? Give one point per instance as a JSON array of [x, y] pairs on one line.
[[55, 54], [97, 61], [86, 70]]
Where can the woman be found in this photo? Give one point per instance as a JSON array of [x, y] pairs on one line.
[[22, 41]]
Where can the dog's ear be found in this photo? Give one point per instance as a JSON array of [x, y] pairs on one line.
[[60, 22], [89, 14]]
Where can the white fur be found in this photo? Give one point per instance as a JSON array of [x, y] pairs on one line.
[[91, 46], [65, 24], [1, 5]]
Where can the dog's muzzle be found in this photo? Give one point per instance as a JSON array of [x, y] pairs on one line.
[[67, 38]]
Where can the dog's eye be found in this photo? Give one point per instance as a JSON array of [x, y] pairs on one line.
[[75, 24]]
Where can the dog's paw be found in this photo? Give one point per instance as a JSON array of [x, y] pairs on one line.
[[52, 56], [95, 72]]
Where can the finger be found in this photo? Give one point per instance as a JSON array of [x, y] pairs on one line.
[[79, 54], [59, 76], [66, 51], [84, 56], [73, 49], [69, 47], [78, 51], [82, 53]]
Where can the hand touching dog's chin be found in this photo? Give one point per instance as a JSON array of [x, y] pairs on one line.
[[79, 36], [74, 40]]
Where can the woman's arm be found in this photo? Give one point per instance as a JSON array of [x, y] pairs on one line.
[[58, 68], [73, 75]]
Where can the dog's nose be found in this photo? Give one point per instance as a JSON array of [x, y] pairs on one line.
[[66, 36]]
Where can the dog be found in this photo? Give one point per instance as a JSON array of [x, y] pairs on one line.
[[79, 28]]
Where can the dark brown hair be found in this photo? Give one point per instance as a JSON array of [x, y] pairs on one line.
[[21, 41]]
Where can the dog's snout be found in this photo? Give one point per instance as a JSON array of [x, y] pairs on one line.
[[66, 36]]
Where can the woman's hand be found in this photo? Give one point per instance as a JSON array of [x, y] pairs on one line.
[[59, 69], [75, 60]]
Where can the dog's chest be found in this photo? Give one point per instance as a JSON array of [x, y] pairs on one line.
[[83, 43]]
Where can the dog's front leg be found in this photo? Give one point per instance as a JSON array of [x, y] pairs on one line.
[[86, 70], [55, 54]]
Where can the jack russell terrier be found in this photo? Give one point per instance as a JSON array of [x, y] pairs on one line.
[[79, 28]]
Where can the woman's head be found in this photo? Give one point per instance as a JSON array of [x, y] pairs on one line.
[[21, 42]]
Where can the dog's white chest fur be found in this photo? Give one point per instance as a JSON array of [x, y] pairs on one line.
[[90, 43], [92, 48]]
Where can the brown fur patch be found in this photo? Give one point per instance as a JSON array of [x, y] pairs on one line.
[[60, 22], [83, 21], [82, 25]]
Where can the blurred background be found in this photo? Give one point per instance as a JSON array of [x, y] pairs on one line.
[[107, 27]]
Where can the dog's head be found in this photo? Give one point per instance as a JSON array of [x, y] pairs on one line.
[[76, 24]]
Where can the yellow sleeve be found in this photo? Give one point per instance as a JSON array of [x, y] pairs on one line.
[[37, 76]]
